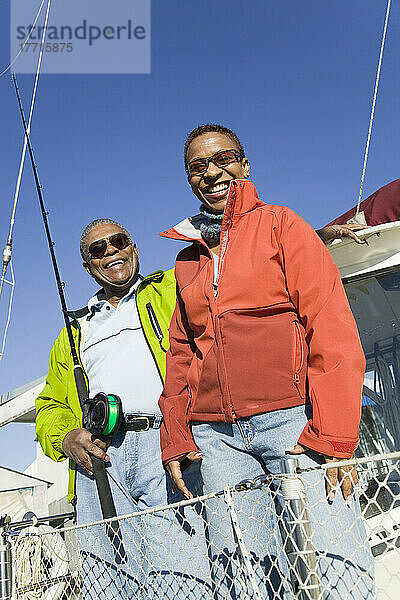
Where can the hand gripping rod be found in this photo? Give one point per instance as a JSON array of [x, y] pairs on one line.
[[99, 469]]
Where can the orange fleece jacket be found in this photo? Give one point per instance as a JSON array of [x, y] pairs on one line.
[[279, 333]]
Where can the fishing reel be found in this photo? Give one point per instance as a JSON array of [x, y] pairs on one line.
[[103, 414]]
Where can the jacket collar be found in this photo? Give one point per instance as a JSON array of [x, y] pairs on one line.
[[77, 315], [242, 199]]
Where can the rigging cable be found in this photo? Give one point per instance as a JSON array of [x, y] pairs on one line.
[[371, 120], [12, 283], [8, 247], [25, 41]]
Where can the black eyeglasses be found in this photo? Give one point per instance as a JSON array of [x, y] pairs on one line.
[[220, 159], [120, 241]]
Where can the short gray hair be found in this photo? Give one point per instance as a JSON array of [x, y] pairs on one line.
[[92, 225]]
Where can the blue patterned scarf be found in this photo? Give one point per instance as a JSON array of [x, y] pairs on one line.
[[210, 228]]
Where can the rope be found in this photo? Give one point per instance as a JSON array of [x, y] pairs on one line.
[[292, 487], [26, 40], [371, 120], [243, 552], [8, 247], [12, 283], [39, 561], [353, 462]]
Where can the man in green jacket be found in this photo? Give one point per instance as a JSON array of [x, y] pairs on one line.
[[121, 339]]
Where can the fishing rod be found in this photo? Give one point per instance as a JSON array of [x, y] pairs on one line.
[[101, 416]]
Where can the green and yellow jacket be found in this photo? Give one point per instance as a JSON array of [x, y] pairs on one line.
[[58, 409]]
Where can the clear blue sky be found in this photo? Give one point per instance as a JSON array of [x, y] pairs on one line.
[[293, 78]]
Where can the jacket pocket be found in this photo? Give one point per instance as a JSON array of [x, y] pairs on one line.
[[299, 354], [204, 382], [259, 357]]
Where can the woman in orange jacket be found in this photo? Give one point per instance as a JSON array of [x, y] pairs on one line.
[[265, 360]]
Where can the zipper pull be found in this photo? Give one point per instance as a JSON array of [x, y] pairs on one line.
[[296, 378]]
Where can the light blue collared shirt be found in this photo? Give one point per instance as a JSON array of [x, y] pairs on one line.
[[116, 356]]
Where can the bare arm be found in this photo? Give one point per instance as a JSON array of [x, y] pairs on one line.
[[332, 232]]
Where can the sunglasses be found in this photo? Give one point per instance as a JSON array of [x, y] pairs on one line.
[[120, 241], [220, 159]]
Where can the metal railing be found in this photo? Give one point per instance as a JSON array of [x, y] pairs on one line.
[[276, 537]]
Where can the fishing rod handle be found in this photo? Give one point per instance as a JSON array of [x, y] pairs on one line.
[[103, 487], [108, 511]]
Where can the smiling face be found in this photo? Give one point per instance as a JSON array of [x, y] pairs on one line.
[[117, 270], [212, 186]]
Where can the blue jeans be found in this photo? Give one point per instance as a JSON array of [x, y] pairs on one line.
[[166, 556], [252, 447]]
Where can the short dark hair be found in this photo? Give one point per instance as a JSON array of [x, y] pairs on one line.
[[92, 225], [211, 128]]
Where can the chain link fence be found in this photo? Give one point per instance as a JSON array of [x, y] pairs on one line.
[[274, 537]]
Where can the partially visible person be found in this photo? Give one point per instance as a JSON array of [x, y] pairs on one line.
[[334, 232], [265, 361], [383, 206], [121, 338]]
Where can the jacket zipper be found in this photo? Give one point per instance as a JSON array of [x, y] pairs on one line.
[[189, 398], [224, 242], [223, 246], [298, 345], [217, 328], [222, 378], [155, 325], [218, 340]]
